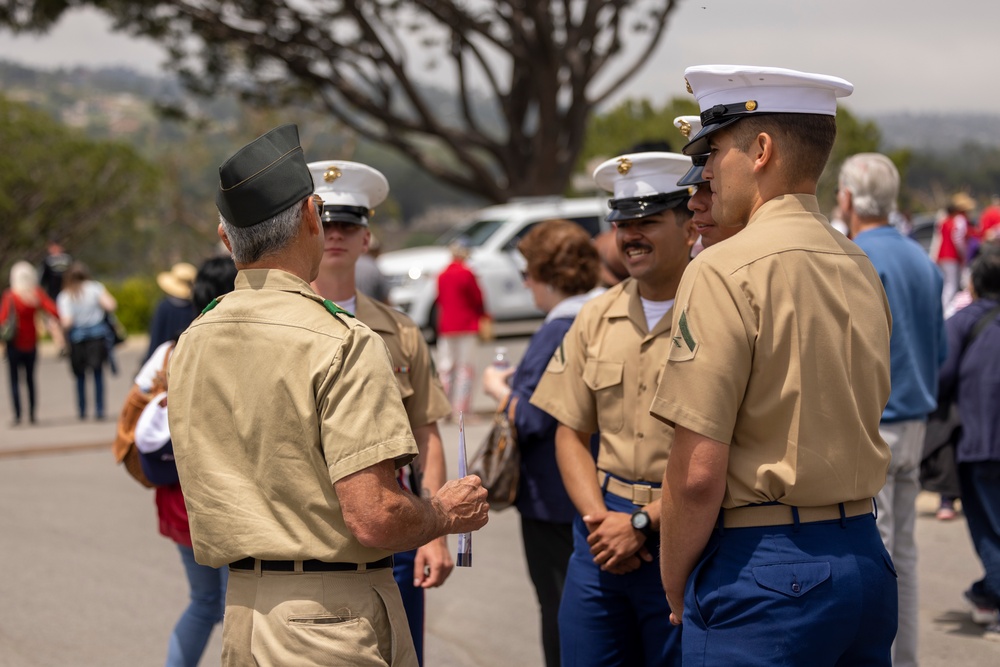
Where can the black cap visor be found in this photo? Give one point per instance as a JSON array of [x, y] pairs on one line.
[[355, 215], [632, 208], [699, 144], [693, 176]]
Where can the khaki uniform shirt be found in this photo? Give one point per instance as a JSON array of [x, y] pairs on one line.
[[603, 376], [782, 350], [423, 395], [272, 400]]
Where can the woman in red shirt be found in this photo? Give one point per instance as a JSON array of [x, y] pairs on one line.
[[460, 309], [26, 298]]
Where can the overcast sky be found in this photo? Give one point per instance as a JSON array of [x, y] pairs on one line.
[[901, 55]]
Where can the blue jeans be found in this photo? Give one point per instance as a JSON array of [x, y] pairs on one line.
[[81, 393], [18, 359], [981, 506], [413, 598], [208, 601]]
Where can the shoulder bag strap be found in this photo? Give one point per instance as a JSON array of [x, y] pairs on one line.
[[980, 324]]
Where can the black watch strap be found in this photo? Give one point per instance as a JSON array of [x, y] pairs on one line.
[[646, 530]]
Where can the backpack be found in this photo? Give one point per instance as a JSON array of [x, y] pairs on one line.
[[123, 447], [8, 313]]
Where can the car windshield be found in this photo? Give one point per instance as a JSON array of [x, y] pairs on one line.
[[475, 234]]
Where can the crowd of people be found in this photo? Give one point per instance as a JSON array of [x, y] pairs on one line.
[[721, 440]]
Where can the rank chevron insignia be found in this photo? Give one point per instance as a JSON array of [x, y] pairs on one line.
[[685, 332]]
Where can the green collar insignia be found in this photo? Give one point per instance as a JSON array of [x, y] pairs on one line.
[[335, 309]]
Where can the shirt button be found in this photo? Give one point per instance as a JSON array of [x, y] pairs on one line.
[[796, 588]]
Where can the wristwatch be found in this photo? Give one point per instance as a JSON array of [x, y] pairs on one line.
[[641, 522]]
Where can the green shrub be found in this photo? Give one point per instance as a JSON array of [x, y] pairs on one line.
[[137, 298]]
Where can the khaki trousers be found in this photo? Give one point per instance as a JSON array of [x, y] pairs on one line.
[[302, 619]]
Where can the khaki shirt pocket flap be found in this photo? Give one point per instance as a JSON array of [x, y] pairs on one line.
[[600, 375]]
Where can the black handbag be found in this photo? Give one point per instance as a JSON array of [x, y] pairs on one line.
[[498, 462], [118, 330]]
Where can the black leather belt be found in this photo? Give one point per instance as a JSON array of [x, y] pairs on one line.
[[308, 565]]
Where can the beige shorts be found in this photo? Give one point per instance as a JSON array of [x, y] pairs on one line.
[[315, 618]]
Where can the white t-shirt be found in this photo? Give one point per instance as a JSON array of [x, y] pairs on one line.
[[83, 308], [655, 310], [144, 378]]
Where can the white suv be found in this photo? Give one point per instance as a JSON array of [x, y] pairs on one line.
[[492, 236]]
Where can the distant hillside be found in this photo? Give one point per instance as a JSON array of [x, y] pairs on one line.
[[59, 91], [119, 103], [938, 133]]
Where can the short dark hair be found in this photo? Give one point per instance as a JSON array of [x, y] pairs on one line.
[[561, 253], [810, 135], [986, 271], [216, 277]]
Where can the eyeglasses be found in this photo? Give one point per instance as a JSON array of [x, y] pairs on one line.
[[318, 203]]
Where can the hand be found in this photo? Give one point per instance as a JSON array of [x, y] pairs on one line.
[[675, 600], [631, 563], [433, 564], [676, 611], [495, 382], [462, 504], [612, 539]]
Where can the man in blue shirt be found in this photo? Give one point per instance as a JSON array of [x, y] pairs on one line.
[[867, 190]]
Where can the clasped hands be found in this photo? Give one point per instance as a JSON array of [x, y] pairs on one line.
[[616, 546]]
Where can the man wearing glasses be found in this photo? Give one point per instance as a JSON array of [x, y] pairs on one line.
[[349, 191], [602, 378], [288, 429]]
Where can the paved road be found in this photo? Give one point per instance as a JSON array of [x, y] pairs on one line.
[[85, 579]]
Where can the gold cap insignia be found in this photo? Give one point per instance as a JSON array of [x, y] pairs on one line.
[[332, 174], [751, 105], [685, 128], [624, 165], [371, 213], [687, 84]]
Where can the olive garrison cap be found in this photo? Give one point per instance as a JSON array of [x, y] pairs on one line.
[[264, 178]]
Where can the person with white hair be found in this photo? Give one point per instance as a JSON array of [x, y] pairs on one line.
[[20, 304], [866, 193]]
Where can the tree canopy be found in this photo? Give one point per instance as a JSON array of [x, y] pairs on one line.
[[54, 182], [491, 96]]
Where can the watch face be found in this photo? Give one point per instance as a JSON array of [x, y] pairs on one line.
[[640, 520]]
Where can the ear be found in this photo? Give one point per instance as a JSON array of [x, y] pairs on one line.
[[311, 218], [366, 241], [846, 200], [690, 233], [762, 151], [225, 239]]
